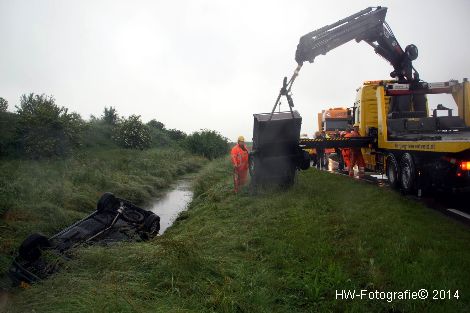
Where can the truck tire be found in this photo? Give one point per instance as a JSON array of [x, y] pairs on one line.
[[407, 173], [106, 202], [30, 249], [392, 171]]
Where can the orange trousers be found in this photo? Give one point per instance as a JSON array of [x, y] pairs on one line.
[[239, 178], [356, 158]]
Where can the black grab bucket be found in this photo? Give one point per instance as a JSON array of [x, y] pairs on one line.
[[276, 154]]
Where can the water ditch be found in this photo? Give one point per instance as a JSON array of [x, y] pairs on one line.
[[174, 201]]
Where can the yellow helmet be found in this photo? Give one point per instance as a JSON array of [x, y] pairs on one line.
[[241, 138], [356, 125]]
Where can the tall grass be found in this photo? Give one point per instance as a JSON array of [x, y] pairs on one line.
[[47, 195], [278, 251]]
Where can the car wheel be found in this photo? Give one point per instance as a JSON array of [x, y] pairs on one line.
[[152, 224], [392, 171], [30, 249], [407, 173], [106, 202], [133, 216]]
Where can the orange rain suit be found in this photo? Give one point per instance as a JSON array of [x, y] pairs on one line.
[[239, 157], [345, 153], [355, 157]]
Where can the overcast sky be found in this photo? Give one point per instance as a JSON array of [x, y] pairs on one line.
[[195, 64]]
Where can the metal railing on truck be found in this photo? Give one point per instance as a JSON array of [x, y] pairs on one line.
[[329, 143]]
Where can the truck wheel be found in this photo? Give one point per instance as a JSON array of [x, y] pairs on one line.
[[30, 249], [407, 173], [106, 202], [392, 171]]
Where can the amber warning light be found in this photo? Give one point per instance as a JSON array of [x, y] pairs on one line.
[[465, 165]]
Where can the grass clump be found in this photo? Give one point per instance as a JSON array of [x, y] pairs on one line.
[[278, 251]]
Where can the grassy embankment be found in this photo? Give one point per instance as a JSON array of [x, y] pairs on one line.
[[47, 195], [274, 252]]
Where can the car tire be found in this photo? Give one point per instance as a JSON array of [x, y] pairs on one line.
[[407, 173], [152, 225], [133, 216], [106, 202], [30, 248], [393, 171]]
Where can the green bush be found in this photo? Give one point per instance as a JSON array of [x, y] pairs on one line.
[[8, 123], [176, 134], [156, 124], [98, 133], [45, 129], [159, 137], [159, 134], [208, 143], [131, 133]]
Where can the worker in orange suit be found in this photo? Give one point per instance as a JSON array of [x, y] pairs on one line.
[[355, 154], [345, 153], [239, 157]]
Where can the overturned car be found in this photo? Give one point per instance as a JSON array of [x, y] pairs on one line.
[[114, 219]]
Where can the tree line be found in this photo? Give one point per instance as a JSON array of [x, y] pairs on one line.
[[40, 128]]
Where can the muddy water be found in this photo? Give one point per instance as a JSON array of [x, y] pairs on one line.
[[172, 203]]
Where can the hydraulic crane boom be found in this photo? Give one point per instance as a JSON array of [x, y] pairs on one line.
[[368, 25]]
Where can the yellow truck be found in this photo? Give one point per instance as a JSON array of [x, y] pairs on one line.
[[414, 147], [417, 148]]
